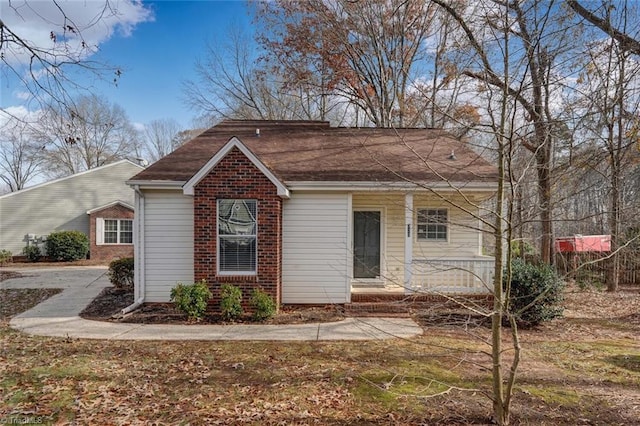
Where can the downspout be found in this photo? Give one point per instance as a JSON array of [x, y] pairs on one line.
[[138, 269]]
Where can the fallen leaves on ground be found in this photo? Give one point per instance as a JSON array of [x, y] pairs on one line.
[[581, 369]]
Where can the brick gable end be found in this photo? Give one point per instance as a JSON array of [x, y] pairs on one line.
[[236, 177]]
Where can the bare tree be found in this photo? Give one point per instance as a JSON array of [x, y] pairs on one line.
[[366, 52], [626, 41], [609, 108], [540, 37], [161, 137], [46, 46], [232, 84], [91, 135], [20, 154]]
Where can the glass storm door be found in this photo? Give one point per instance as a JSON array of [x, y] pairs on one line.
[[366, 244]]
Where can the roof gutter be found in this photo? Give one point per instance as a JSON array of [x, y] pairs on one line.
[[138, 268], [155, 184], [391, 186]]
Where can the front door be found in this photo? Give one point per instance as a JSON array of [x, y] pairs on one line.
[[366, 244]]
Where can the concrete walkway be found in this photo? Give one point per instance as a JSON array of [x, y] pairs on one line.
[[58, 317]]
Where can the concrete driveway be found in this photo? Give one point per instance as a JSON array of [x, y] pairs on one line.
[[58, 277], [58, 316]]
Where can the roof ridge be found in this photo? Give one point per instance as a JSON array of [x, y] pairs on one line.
[[279, 123]]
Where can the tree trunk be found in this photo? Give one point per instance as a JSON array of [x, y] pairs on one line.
[[613, 271], [543, 160]]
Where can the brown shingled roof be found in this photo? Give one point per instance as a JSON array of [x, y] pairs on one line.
[[314, 151]]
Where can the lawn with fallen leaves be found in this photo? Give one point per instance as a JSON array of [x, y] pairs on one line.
[[581, 369]]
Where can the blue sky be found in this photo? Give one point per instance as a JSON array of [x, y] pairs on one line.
[[160, 55], [156, 51]]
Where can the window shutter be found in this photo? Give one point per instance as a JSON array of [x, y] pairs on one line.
[[99, 231]]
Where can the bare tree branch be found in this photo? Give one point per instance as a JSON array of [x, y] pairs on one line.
[[627, 42]]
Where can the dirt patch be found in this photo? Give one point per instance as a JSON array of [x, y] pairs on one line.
[[16, 301], [593, 314], [7, 275], [111, 301], [587, 313], [108, 303]]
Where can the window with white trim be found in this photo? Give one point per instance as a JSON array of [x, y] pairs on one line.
[[432, 224], [237, 237], [117, 231]]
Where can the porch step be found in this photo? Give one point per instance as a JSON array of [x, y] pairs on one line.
[[402, 305], [390, 308], [418, 298]]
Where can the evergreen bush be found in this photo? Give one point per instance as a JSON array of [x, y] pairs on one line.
[[230, 302], [191, 299], [121, 273], [67, 245], [535, 293], [32, 253], [263, 305]]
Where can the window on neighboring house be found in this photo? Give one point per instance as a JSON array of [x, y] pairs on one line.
[[237, 237], [432, 224], [117, 231]]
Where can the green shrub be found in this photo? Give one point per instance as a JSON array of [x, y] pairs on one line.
[[5, 256], [67, 245], [121, 273], [32, 253], [536, 293], [191, 299], [263, 305], [230, 301]]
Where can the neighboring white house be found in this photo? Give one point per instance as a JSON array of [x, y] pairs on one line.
[[29, 215], [307, 212]]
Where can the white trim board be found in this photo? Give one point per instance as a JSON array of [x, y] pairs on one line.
[[234, 142]]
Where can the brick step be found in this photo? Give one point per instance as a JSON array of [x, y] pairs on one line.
[[420, 300], [377, 308]]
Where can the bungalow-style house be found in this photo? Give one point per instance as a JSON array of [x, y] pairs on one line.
[[96, 202], [308, 212]]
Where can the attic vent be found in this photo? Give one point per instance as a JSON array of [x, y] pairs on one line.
[[452, 156], [257, 133]]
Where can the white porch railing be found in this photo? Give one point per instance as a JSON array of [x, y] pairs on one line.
[[459, 275]]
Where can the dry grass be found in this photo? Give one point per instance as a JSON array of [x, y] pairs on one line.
[[582, 369]]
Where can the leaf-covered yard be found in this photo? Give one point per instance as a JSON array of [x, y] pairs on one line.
[[582, 369]]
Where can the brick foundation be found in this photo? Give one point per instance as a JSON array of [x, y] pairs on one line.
[[236, 177]]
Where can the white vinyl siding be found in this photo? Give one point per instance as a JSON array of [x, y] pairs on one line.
[[315, 265], [168, 242], [463, 234]]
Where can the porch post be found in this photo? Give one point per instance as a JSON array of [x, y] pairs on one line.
[[408, 241]]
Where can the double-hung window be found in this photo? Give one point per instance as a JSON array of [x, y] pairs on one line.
[[118, 231], [237, 237], [432, 224]]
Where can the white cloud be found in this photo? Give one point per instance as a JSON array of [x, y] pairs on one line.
[[18, 116], [23, 96], [78, 27]]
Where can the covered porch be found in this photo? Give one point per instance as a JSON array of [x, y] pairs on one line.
[[418, 243], [438, 276]]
